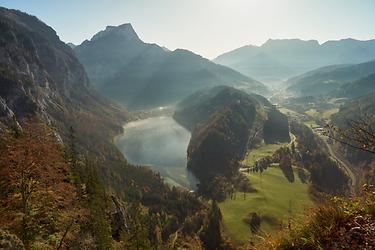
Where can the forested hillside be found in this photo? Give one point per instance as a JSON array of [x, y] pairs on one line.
[[332, 79], [225, 122], [355, 116], [42, 201], [358, 88]]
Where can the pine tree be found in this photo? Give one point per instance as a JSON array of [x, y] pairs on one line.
[[154, 230], [137, 235], [212, 229], [97, 204]]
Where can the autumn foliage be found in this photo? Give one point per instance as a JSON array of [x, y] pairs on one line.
[[38, 202]]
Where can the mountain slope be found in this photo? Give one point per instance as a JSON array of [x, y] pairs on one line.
[[40, 76], [324, 80], [358, 88], [360, 109], [253, 63], [363, 107], [138, 74], [294, 56], [52, 170], [44, 97]]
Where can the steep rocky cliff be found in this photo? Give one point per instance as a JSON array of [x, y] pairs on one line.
[[40, 76]]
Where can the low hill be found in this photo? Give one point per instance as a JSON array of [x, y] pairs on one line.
[[140, 75], [329, 79], [198, 108], [224, 121]]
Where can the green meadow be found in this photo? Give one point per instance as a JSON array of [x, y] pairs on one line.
[[311, 124], [262, 151], [326, 114], [276, 201]]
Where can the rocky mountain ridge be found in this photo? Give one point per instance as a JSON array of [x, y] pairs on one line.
[[294, 56], [141, 75]]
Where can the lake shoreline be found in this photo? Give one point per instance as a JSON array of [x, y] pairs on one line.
[[160, 143]]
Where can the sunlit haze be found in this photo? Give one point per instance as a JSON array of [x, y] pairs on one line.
[[208, 27]]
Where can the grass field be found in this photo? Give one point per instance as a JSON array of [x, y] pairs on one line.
[[322, 115], [276, 200], [311, 123], [287, 111], [313, 113], [262, 151], [328, 113]]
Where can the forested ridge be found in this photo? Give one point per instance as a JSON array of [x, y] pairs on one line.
[[225, 123]]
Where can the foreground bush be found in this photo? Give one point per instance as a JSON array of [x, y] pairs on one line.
[[339, 224]]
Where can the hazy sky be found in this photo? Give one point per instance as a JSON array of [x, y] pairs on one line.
[[207, 27]]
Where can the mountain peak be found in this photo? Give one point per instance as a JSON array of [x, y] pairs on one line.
[[71, 45], [124, 30]]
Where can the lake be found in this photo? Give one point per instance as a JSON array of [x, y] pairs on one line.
[[161, 143]]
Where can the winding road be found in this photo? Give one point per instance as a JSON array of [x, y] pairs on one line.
[[335, 154], [345, 165]]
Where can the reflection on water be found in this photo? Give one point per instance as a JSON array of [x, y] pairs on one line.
[[161, 143]]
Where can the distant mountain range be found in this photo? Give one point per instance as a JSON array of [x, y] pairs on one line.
[[339, 80], [276, 60], [139, 74]]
